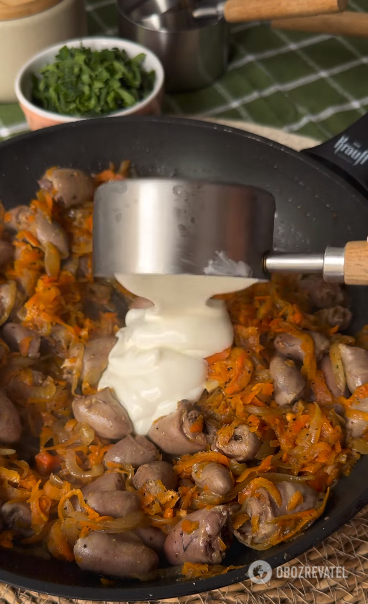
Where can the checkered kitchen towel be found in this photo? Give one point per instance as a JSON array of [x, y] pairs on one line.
[[309, 84]]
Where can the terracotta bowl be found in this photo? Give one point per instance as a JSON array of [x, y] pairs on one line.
[[40, 118]]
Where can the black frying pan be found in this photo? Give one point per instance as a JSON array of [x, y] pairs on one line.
[[317, 205]]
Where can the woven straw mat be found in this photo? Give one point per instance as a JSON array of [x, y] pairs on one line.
[[347, 548]]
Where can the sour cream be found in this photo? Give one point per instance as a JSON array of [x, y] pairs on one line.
[[159, 358]]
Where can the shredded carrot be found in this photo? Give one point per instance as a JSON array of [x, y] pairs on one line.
[[266, 389], [40, 507], [185, 464], [257, 483], [264, 466], [168, 513], [219, 356], [58, 545], [47, 463], [75, 493], [197, 426], [189, 526], [294, 501], [106, 176], [97, 453], [234, 373]]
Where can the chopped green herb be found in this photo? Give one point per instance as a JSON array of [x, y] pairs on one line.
[[85, 82]]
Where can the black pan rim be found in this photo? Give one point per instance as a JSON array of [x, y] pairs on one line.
[[312, 537], [199, 124], [190, 122], [301, 544]]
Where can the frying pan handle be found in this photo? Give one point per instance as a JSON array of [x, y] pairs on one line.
[[347, 264], [347, 154]]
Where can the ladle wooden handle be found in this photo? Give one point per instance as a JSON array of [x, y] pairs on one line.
[[347, 264], [240, 11], [356, 263], [343, 24]]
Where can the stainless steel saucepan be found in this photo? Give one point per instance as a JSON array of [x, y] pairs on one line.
[[191, 37]]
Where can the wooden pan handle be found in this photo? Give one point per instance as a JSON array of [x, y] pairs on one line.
[[343, 24], [356, 263], [240, 11]]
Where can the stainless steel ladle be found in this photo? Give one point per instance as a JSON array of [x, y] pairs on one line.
[[161, 226]]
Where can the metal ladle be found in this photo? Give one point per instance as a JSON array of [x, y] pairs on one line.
[[160, 226]]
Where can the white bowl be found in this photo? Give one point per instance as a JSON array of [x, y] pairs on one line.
[[40, 118]]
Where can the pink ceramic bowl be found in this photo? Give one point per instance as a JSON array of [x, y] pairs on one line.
[[40, 118]]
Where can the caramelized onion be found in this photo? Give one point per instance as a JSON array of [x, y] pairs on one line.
[[8, 293], [263, 411], [71, 530], [337, 366], [7, 451], [316, 424], [73, 366], [360, 445], [87, 433], [52, 260], [75, 470], [114, 525], [55, 481]]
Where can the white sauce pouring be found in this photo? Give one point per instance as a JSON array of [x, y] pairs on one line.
[[158, 359]]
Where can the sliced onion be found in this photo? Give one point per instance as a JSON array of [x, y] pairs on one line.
[[124, 168], [8, 293], [25, 384], [70, 530], [55, 481], [207, 498], [316, 424], [263, 411], [87, 433], [263, 375], [7, 451], [52, 260], [74, 469], [237, 468], [265, 449], [337, 366], [281, 476], [115, 525], [16, 360], [211, 385], [73, 365], [37, 552], [360, 445], [46, 391]]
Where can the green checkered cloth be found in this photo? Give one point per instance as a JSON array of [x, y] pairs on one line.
[[314, 85]]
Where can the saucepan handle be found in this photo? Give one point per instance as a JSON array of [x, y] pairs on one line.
[[236, 11], [347, 154], [347, 23], [343, 265]]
